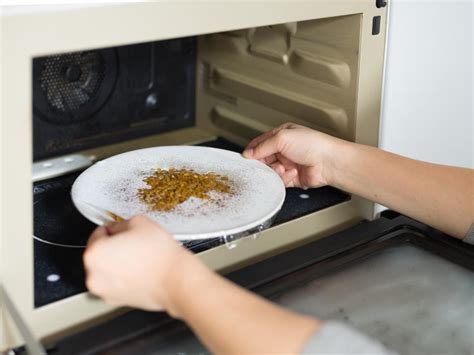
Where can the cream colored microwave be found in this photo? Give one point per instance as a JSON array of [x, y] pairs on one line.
[[79, 84]]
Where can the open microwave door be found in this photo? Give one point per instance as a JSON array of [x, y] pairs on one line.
[[393, 255]]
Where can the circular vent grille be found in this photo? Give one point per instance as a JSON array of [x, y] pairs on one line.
[[71, 87], [72, 80]]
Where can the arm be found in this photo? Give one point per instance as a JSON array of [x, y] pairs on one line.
[[440, 196], [227, 318]]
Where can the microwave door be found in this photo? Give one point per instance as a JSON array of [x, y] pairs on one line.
[[277, 277]]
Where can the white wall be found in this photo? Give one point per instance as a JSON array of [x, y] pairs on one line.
[[428, 109]]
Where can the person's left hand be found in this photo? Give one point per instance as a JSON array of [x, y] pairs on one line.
[[135, 263]]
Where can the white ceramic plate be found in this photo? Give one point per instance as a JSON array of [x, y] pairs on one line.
[[112, 184]]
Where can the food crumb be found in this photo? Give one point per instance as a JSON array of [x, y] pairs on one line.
[[168, 188]]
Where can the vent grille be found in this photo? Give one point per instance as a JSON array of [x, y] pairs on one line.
[[71, 81]]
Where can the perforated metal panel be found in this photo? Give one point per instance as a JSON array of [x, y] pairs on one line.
[[70, 87], [70, 81]]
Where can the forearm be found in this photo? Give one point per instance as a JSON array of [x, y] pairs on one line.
[[437, 195], [229, 319]]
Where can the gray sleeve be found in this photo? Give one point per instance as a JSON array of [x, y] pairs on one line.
[[469, 238], [338, 338]]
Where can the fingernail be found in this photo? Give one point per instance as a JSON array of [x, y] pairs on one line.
[[248, 152]]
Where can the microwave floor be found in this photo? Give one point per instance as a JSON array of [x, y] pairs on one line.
[[60, 232]]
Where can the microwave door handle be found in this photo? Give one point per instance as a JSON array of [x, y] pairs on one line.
[[33, 346]]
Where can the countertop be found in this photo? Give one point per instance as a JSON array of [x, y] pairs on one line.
[[408, 299]]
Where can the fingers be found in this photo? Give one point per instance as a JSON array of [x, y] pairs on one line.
[[93, 284], [261, 138], [99, 233], [132, 223], [118, 227], [278, 168], [289, 176], [269, 160], [256, 141], [287, 163], [268, 147]]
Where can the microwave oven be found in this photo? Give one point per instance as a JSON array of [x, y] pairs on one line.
[[82, 84]]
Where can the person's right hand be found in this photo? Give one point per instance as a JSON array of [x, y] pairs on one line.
[[300, 155], [137, 263]]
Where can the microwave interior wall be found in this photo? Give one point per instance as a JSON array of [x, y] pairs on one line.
[[234, 85], [250, 81]]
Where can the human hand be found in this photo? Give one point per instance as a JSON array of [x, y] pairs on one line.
[[300, 155], [134, 263]]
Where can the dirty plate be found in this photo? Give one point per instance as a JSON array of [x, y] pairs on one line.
[[113, 183]]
